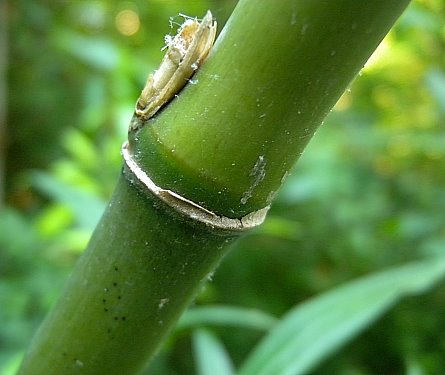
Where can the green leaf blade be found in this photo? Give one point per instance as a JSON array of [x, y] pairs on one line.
[[226, 316], [315, 329], [210, 355]]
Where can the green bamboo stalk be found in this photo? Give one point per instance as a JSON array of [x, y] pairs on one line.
[[274, 75], [224, 143]]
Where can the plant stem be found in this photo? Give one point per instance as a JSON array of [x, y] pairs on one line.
[[275, 72], [142, 267], [225, 143]]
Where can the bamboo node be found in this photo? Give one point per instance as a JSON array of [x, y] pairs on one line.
[[187, 207]]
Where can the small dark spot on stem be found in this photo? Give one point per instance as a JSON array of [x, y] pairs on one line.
[[105, 309], [104, 300], [116, 318], [115, 283], [116, 269], [119, 297], [124, 318]]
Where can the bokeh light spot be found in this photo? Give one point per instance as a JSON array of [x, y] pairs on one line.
[[127, 22]]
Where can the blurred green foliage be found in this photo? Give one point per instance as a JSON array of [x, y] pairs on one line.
[[367, 193]]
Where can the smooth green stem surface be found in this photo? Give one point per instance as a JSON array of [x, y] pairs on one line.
[[276, 70], [142, 267]]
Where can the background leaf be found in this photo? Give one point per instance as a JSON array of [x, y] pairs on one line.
[[314, 330], [226, 316], [210, 355]]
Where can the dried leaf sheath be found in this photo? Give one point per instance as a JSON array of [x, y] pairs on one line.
[[185, 54]]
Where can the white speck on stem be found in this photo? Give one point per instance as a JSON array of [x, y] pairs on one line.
[[285, 175], [163, 302], [258, 173], [271, 196]]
